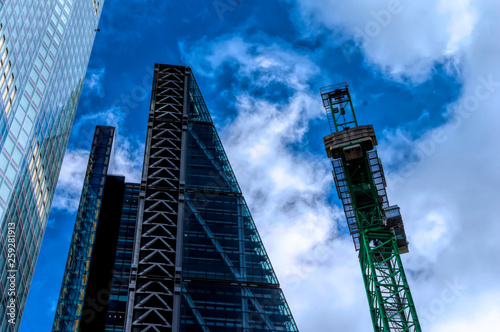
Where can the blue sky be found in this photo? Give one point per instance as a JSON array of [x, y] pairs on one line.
[[422, 73]]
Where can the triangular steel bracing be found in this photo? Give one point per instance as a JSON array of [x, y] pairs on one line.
[[200, 264], [152, 292]]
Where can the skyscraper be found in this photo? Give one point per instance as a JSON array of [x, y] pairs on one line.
[[192, 260], [95, 283], [44, 51], [199, 263]]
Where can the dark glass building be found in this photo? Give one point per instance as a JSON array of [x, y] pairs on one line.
[[115, 313], [95, 284], [199, 263], [181, 251], [44, 51]]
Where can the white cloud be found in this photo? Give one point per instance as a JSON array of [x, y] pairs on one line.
[[403, 39], [447, 197], [445, 181], [484, 316], [93, 81], [70, 182], [286, 188], [127, 158]]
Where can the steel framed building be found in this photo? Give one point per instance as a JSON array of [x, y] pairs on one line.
[[95, 283], [199, 263], [192, 260]]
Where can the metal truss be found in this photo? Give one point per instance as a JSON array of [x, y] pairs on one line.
[[391, 304], [155, 286], [157, 292]]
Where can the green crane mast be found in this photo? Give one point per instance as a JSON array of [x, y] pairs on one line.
[[376, 227]]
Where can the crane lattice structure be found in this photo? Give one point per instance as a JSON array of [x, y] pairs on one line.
[[377, 229]]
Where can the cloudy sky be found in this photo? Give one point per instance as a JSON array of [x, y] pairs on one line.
[[425, 74]]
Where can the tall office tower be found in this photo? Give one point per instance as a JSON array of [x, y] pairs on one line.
[[199, 263], [44, 51], [95, 283]]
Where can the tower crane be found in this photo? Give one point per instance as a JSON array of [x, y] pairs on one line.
[[376, 227]]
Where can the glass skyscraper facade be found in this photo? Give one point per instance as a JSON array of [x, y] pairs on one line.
[[95, 283], [44, 51], [180, 251], [76, 276], [199, 263]]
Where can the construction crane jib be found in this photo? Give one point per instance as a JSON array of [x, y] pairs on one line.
[[376, 227]]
